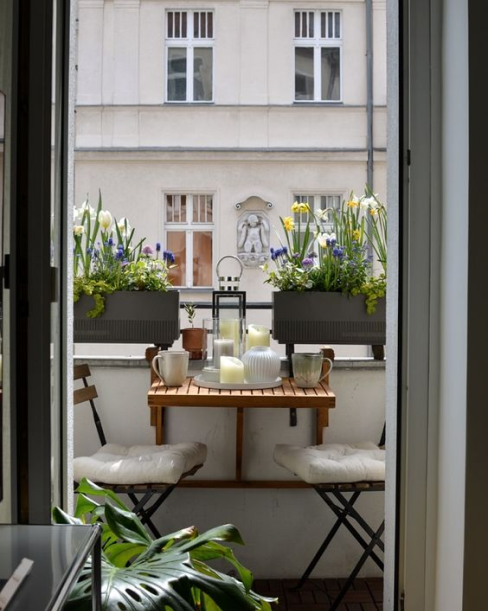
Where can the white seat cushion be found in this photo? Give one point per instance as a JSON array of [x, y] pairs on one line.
[[164, 464], [333, 463]]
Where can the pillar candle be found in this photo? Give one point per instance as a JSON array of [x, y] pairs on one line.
[[231, 370], [257, 335], [229, 328], [222, 347]]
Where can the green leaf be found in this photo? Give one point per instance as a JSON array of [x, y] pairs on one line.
[[126, 525], [88, 487]]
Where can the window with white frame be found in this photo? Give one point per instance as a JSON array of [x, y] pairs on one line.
[[189, 229], [189, 56], [318, 56], [316, 202]]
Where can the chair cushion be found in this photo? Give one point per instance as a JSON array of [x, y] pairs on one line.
[[333, 463], [164, 464]]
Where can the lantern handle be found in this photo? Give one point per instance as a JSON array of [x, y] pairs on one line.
[[230, 257]]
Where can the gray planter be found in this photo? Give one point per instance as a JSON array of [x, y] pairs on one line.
[[332, 318], [139, 317]]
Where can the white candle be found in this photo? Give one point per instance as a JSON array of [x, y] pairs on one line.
[[230, 329], [231, 370], [222, 347], [257, 335]]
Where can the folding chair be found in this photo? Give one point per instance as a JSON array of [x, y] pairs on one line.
[[334, 470], [147, 474]]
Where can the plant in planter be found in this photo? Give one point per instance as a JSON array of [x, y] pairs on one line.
[[172, 573], [193, 339], [111, 274], [325, 267]]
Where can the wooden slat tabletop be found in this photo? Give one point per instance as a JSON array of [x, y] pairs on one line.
[[286, 395]]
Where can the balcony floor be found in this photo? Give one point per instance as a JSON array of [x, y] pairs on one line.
[[365, 595]]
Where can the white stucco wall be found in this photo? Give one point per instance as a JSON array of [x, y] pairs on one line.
[[282, 528]]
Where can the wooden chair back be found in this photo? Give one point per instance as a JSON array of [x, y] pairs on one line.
[[87, 394]]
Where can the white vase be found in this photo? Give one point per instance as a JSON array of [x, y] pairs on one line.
[[261, 364]]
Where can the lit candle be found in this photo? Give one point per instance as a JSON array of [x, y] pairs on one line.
[[222, 347], [230, 329], [257, 335], [231, 370]]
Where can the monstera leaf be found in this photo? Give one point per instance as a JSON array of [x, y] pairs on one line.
[[170, 573]]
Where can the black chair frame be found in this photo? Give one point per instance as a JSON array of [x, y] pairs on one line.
[[146, 498], [346, 515]]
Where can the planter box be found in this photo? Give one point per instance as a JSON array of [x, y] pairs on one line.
[[145, 317], [331, 318]]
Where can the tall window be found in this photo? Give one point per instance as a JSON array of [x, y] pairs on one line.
[[189, 53], [189, 230], [318, 53]]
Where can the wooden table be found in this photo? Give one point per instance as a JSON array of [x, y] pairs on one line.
[[288, 395]]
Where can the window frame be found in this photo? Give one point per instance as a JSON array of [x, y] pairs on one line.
[[189, 44], [317, 43], [190, 227]]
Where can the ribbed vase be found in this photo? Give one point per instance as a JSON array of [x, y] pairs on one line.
[[261, 364]]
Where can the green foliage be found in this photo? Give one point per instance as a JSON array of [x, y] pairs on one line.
[[106, 261], [330, 250], [168, 574], [191, 312]]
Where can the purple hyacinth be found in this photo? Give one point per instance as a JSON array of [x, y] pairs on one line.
[[147, 250], [158, 246], [307, 262]]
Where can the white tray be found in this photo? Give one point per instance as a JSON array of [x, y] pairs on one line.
[[200, 381]]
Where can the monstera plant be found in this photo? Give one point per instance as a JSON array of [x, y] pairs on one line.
[[170, 573]]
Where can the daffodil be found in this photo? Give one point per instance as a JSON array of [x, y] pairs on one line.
[[353, 201], [105, 219], [78, 230], [124, 227], [356, 234], [295, 207], [288, 223]]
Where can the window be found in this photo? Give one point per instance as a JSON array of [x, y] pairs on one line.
[[318, 46], [189, 235], [189, 53], [316, 202]]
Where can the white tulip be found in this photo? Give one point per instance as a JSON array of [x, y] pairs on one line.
[[105, 219], [78, 230]]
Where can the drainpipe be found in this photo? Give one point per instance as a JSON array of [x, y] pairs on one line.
[[369, 91]]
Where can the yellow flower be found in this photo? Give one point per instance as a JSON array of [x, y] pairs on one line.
[[356, 234], [78, 229], [352, 203], [289, 223], [373, 211], [303, 207], [295, 207]]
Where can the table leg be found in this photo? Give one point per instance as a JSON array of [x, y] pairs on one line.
[[239, 440], [159, 425], [322, 419]]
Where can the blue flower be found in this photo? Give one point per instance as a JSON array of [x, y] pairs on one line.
[[158, 246], [168, 256], [307, 262]]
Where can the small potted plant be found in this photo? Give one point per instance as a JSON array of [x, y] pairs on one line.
[[193, 339]]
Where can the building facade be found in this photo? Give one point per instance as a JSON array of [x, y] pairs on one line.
[[203, 122]]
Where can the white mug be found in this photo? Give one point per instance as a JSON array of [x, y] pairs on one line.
[[171, 367], [307, 368]]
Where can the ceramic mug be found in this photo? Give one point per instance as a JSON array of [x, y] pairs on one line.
[[171, 367], [307, 368]]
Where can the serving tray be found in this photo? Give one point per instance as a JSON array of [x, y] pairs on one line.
[[200, 381]]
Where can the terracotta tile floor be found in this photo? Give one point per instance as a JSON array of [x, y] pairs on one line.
[[315, 595]]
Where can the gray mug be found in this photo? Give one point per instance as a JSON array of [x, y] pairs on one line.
[[307, 368]]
